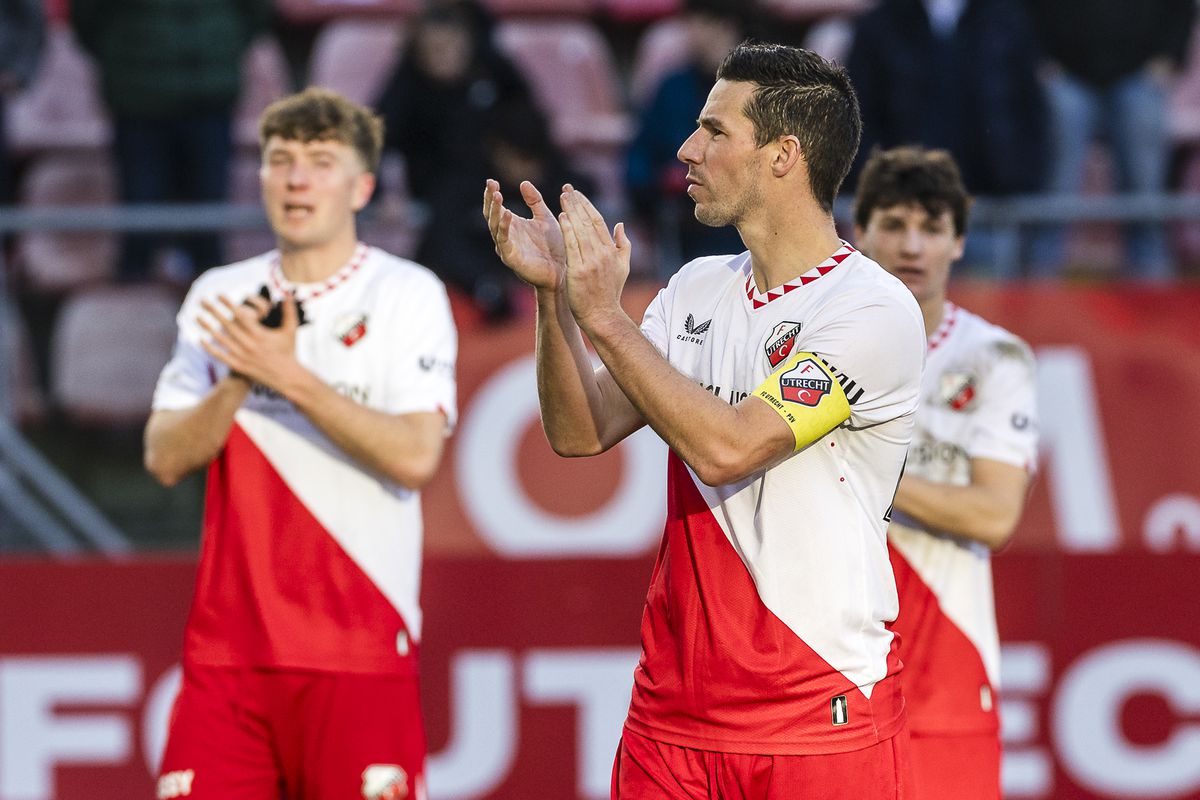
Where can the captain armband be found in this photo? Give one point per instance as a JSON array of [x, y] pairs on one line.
[[807, 396]]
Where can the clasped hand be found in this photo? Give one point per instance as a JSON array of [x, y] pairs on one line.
[[574, 252], [252, 351]]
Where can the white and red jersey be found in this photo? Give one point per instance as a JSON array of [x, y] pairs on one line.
[[765, 623], [977, 401], [308, 560]]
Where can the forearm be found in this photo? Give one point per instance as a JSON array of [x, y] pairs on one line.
[[978, 513], [570, 397], [716, 439], [404, 448], [179, 442]]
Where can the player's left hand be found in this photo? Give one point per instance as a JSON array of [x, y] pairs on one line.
[[238, 339], [597, 261]]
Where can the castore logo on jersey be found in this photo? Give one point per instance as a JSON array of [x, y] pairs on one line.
[[692, 332]]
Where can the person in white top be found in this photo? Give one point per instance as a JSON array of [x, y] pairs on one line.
[[784, 379], [966, 479], [316, 383]]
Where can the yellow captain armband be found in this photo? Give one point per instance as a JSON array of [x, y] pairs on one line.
[[806, 394]]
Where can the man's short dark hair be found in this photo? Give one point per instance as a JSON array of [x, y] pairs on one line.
[[910, 174], [798, 92], [321, 115]]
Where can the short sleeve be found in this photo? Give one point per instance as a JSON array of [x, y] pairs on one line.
[[876, 351], [190, 374], [424, 376], [1004, 423], [654, 321]]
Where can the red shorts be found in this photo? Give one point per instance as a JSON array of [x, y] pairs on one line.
[[650, 770], [250, 734], [962, 767]]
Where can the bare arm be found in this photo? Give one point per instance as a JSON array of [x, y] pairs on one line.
[[722, 443], [584, 412], [405, 448], [985, 511], [178, 442]]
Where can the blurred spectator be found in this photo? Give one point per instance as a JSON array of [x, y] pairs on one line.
[[171, 73], [441, 109], [22, 37], [457, 244], [1109, 77], [656, 179], [959, 75]]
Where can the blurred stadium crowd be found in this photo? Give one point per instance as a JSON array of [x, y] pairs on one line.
[[133, 105]]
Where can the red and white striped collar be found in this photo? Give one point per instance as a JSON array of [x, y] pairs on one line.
[[759, 299], [309, 291], [949, 316]]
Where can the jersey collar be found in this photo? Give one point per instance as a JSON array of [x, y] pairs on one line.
[[759, 299], [309, 291], [949, 316]]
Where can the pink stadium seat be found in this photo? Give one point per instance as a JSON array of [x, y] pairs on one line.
[[264, 80], [323, 10], [244, 190], [573, 74], [356, 56], [660, 50], [108, 347], [559, 8], [814, 9], [1185, 97], [62, 108], [16, 358], [53, 262], [635, 11], [831, 37]]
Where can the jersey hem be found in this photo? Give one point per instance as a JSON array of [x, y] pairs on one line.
[[774, 748]]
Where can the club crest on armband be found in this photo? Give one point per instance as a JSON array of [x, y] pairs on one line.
[[781, 342], [806, 383], [350, 327], [957, 390]]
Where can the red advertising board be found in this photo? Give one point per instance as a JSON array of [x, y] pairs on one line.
[[536, 570]]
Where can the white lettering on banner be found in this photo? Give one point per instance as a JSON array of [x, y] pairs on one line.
[[35, 737], [157, 716], [1087, 719], [486, 465], [599, 682], [1026, 770], [1173, 523], [483, 738], [1081, 488]]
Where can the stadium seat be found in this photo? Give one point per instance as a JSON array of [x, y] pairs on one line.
[[25, 403], [660, 50], [554, 8], [55, 262], [356, 56], [62, 108], [573, 74], [627, 12], [244, 190], [831, 37], [1185, 98], [264, 80], [309, 11], [804, 10], [108, 347]]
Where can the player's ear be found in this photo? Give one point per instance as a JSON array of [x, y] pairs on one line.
[[787, 155], [364, 187]]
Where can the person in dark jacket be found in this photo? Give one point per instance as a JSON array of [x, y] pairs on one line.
[[1109, 66], [170, 72], [22, 38], [957, 75]]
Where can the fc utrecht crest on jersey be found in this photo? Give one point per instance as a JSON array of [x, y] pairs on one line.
[[350, 327], [957, 390], [806, 383], [692, 332], [781, 341]]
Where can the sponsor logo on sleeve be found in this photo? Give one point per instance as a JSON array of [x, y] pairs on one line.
[[806, 383], [350, 327], [693, 332], [384, 782], [782, 342]]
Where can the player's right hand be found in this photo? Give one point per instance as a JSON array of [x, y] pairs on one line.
[[531, 248]]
